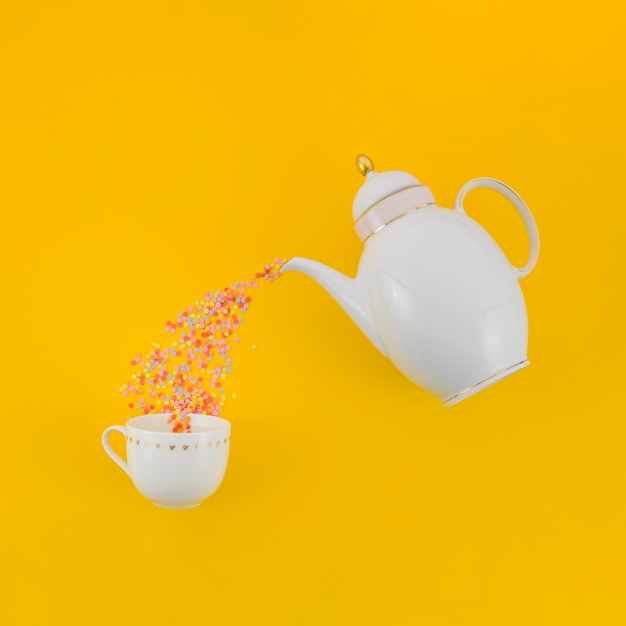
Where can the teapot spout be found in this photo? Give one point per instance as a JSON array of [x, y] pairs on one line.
[[349, 293]]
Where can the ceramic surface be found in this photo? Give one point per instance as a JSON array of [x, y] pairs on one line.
[[173, 470], [433, 290]]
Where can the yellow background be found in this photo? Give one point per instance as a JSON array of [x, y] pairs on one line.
[[155, 150]]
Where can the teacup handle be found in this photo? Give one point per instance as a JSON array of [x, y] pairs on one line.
[[107, 446], [522, 209]]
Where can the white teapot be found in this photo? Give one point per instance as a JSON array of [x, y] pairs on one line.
[[433, 291]]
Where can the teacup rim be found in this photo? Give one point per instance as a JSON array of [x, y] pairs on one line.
[[225, 424]]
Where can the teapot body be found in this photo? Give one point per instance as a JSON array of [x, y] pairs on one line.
[[433, 290], [446, 302]]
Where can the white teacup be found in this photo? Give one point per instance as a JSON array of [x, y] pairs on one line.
[[174, 470]]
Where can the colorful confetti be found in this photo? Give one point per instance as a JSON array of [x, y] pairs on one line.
[[188, 376]]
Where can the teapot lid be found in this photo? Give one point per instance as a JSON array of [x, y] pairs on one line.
[[378, 186]]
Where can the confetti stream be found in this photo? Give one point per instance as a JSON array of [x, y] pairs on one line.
[[188, 376]]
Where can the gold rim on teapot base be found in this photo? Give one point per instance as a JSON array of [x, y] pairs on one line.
[[494, 378]]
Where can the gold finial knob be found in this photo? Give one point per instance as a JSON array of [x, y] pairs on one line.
[[364, 164]]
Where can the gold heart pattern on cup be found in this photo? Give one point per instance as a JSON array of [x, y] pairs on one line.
[[185, 447]]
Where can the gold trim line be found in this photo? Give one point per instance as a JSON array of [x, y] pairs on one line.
[[506, 369], [385, 200], [397, 217]]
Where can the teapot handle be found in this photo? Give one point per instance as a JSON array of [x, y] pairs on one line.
[[522, 209]]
